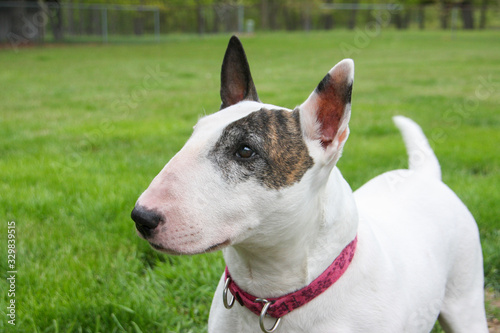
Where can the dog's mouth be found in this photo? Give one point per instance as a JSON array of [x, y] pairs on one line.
[[212, 248], [219, 246]]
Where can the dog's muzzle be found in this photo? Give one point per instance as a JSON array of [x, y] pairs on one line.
[[145, 220]]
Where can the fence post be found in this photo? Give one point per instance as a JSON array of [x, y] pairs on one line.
[[157, 24], [454, 14], [241, 18], [104, 23]]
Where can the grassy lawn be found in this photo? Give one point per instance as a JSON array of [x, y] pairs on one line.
[[84, 129]]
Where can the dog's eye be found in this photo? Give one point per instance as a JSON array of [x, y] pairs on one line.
[[245, 152]]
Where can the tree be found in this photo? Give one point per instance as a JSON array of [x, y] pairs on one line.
[[25, 20], [467, 14], [352, 19], [57, 25], [482, 18], [444, 15]]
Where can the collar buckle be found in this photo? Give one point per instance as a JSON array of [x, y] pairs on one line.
[[227, 305], [263, 313]]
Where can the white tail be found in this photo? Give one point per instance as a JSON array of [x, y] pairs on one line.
[[421, 156]]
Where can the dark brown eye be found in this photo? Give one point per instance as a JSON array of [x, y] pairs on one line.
[[245, 152]]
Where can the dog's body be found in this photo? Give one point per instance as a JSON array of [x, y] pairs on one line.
[[260, 181]]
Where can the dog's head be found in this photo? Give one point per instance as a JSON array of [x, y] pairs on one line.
[[249, 170]]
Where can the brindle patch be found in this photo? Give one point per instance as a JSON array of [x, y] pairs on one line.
[[281, 156]]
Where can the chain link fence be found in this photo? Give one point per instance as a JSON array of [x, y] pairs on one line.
[[23, 22]]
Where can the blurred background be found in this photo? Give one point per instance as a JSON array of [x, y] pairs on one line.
[[25, 21], [96, 97]]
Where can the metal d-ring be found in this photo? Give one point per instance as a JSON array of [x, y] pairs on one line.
[[224, 295], [263, 313]]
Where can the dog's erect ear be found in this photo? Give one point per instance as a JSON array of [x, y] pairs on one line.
[[236, 81], [325, 114]]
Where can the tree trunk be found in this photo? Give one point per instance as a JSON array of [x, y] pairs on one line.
[[200, 22], [81, 19], [328, 18], [467, 14], [352, 19], [138, 23], [482, 18], [445, 14], [57, 23], [273, 8], [294, 21], [96, 23], [406, 18], [17, 14], [264, 15], [289, 18], [306, 17], [421, 17], [71, 19], [398, 20], [216, 25]]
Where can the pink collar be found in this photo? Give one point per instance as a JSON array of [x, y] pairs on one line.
[[280, 306]]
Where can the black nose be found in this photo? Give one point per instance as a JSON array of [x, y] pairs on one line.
[[146, 220]]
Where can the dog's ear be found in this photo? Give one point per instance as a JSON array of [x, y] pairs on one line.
[[325, 114], [236, 81]]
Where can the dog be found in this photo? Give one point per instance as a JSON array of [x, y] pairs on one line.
[[303, 252]]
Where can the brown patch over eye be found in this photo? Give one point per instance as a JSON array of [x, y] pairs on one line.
[[266, 145]]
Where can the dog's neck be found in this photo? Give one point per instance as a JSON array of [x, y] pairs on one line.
[[326, 225]]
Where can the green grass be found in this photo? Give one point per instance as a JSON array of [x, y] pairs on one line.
[[84, 129]]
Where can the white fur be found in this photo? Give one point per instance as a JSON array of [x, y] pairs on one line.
[[200, 217], [418, 253]]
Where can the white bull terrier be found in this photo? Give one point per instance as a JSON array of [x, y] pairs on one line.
[[303, 252]]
